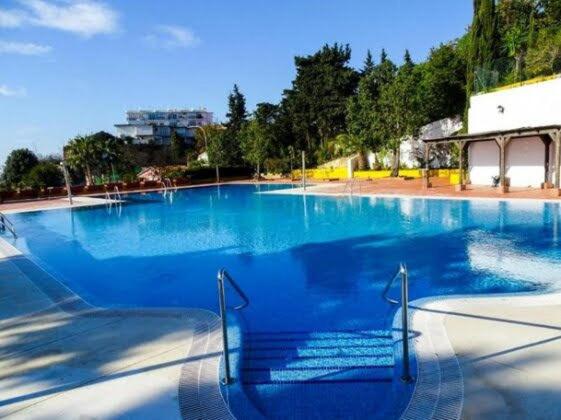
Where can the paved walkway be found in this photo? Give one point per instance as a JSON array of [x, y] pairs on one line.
[[441, 188], [93, 363], [509, 350]]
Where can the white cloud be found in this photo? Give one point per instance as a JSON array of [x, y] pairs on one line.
[[23, 48], [82, 17], [11, 18], [172, 36], [8, 91]]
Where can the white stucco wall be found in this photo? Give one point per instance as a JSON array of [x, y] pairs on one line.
[[411, 149], [525, 160], [483, 160], [533, 105]]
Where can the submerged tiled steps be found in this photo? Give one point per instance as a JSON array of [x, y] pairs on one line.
[[317, 357]]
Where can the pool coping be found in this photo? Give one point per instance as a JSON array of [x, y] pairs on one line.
[[439, 387], [312, 191], [196, 399]]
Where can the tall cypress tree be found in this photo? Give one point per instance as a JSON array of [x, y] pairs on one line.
[[368, 63], [237, 119], [237, 114], [484, 41]]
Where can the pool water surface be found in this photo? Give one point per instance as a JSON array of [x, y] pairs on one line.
[[310, 265]]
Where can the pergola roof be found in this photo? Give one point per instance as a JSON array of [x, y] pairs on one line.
[[493, 135]]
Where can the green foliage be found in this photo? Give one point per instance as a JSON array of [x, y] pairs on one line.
[[43, 175], [443, 78], [177, 144], [317, 101], [237, 118], [483, 47], [256, 140], [237, 113], [220, 145], [95, 155], [399, 109], [364, 109], [544, 56], [18, 164]]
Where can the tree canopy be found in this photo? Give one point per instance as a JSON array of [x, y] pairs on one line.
[[18, 164]]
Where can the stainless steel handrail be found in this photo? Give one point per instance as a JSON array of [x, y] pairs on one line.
[[402, 272], [222, 276], [117, 193], [6, 223]]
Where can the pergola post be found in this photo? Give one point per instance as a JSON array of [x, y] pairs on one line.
[[462, 186], [502, 142], [556, 137], [426, 178], [546, 142]]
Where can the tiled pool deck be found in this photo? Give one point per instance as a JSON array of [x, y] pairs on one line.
[[62, 358], [484, 357]]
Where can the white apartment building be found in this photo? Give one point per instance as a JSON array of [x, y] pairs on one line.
[[156, 126]]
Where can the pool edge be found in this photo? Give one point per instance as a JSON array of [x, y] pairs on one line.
[[199, 394]]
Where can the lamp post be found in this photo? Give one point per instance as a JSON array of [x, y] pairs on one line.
[[67, 180]]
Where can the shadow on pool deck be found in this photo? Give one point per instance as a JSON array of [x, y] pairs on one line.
[[509, 352], [95, 363]]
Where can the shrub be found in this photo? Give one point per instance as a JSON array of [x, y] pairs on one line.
[[43, 175], [18, 164], [277, 166]]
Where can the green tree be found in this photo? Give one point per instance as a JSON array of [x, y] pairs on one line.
[[443, 83], [111, 152], [317, 101], [544, 56], [18, 164], [219, 146], [177, 144], [483, 49], [256, 142], [237, 118], [400, 112], [84, 153], [364, 112], [43, 175], [237, 113], [368, 63]]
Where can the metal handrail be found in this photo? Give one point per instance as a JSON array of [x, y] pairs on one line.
[[6, 223], [165, 187], [222, 276], [117, 193], [402, 272]]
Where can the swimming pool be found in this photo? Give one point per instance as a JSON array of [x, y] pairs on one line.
[[313, 268]]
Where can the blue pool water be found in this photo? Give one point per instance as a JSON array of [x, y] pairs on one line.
[[313, 268]]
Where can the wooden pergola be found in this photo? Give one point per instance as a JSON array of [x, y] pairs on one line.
[[548, 134]]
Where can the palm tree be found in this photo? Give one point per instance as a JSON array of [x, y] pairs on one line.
[[346, 144], [111, 149], [83, 152]]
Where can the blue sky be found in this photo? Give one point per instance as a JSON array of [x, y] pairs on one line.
[[72, 67]]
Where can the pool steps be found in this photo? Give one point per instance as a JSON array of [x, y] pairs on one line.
[[308, 357]]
